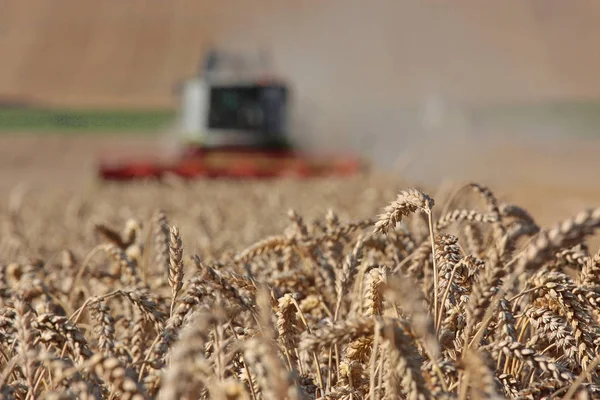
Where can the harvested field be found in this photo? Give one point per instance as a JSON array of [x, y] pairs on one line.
[[299, 289], [109, 53]]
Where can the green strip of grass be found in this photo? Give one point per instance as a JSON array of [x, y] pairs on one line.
[[581, 117], [80, 121]]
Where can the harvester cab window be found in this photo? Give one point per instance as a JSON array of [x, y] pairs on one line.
[[253, 108]]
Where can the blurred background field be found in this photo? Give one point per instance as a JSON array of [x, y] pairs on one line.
[[505, 93]]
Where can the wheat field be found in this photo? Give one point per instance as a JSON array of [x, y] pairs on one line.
[[366, 288], [372, 287]]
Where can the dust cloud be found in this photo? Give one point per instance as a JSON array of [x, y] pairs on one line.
[[397, 81]]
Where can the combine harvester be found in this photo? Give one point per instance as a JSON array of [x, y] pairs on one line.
[[233, 124]]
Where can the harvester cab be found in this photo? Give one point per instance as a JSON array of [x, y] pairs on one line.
[[234, 102]]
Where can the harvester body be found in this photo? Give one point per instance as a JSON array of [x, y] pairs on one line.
[[232, 123]]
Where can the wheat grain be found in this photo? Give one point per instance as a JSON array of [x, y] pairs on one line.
[[407, 202], [175, 264]]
